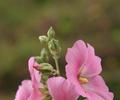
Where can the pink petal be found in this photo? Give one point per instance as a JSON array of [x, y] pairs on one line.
[[36, 95], [92, 65], [71, 74], [84, 56], [27, 92], [61, 89], [94, 96], [24, 90], [97, 86], [76, 55], [35, 76]]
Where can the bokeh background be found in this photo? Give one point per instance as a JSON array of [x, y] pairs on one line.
[[22, 21]]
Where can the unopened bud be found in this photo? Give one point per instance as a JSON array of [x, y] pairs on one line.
[[54, 47], [39, 59], [51, 33], [43, 39], [45, 67], [44, 55]]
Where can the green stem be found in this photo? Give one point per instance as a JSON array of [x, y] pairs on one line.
[[57, 66]]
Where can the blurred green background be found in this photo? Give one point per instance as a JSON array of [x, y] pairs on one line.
[[22, 21]]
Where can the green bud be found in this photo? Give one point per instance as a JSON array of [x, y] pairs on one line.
[[45, 67], [43, 39], [54, 48], [44, 55], [39, 59], [51, 33]]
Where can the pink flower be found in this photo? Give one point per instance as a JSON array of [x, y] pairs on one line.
[[61, 89], [29, 90], [83, 69]]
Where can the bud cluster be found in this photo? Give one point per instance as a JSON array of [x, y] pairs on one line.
[[52, 47]]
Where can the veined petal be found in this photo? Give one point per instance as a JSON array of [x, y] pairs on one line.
[[93, 96], [71, 74], [77, 54], [61, 89], [98, 87], [92, 65]]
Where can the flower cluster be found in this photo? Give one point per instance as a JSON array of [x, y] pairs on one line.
[[83, 70]]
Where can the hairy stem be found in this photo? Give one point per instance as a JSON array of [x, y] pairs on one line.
[[57, 66]]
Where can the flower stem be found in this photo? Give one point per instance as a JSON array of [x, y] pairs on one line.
[[57, 66]]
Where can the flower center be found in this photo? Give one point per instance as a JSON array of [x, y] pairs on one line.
[[83, 80]]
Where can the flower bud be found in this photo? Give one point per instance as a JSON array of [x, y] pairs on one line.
[[54, 48], [39, 59], [44, 55], [43, 39], [51, 33], [45, 67]]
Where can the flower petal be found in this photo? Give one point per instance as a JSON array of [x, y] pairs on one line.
[[98, 87], [77, 54], [35, 75], [71, 74], [94, 96], [24, 90], [36, 95], [92, 65], [61, 89]]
